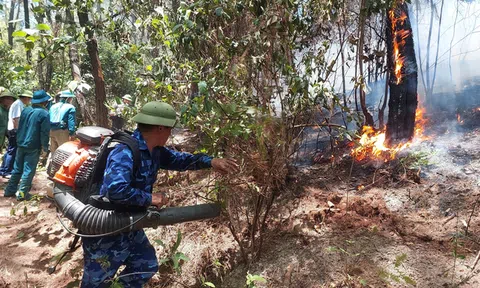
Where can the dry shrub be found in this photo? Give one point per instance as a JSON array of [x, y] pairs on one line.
[[250, 196]]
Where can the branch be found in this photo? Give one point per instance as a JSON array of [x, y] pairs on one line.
[[319, 125]]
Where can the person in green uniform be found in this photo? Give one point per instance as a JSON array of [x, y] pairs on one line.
[[6, 100], [32, 138], [117, 114]]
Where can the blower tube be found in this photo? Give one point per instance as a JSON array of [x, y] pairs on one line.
[[94, 221]]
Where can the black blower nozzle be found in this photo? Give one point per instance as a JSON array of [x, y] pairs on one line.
[[94, 221]]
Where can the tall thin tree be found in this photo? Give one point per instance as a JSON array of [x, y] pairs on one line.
[[11, 25], [26, 12], [361, 41], [97, 72], [440, 17]]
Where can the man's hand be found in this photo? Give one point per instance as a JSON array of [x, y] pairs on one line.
[[72, 138], [44, 153], [159, 199], [225, 166]]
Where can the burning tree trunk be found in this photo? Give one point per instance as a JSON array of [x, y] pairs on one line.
[[403, 81]]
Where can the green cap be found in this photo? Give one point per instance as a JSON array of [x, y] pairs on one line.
[[127, 97], [157, 113], [7, 93], [27, 93]]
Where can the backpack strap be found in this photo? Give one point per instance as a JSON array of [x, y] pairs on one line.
[[107, 147], [127, 139]]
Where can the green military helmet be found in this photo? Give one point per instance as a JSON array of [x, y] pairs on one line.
[[128, 98], [7, 93], [27, 93], [157, 113]]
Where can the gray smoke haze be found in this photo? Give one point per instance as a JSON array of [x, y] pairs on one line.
[[459, 38], [459, 41]]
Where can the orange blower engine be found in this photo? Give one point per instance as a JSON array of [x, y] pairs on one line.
[[68, 171], [73, 162]]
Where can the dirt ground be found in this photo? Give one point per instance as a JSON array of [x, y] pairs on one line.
[[367, 225]]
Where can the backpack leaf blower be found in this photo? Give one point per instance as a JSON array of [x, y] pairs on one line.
[[77, 170]]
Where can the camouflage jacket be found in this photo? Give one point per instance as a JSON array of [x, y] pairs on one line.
[[122, 187]]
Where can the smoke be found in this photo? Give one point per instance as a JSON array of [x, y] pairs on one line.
[[458, 45]]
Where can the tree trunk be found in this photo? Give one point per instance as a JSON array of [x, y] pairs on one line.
[[381, 111], [438, 49], [175, 6], [451, 42], [427, 61], [44, 62], [11, 26], [26, 13], [97, 72], [422, 75], [361, 40], [75, 69], [403, 81], [344, 87], [378, 59], [344, 82], [45, 73]]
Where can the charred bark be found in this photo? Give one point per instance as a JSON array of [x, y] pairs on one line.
[[402, 81], [97, 72]]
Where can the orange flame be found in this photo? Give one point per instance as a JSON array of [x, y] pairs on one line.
[[373, 146], [399, 42], [420, 123], [372, 143]]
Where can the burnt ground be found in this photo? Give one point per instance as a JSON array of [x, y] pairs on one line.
[[334, 225]]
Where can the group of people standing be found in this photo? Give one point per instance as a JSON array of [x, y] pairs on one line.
[[34, 125]]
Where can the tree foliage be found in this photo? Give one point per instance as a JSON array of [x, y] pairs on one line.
[[249, 74]]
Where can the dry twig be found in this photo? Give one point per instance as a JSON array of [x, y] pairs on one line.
[[476, 261]]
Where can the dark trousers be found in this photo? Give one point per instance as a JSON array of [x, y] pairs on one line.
[[9, 156], [117, 123], [23, 172], [104, 255]]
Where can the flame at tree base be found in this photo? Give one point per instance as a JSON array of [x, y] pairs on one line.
[[373, 143]]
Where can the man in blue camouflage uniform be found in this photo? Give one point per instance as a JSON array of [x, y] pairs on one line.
[[104, 255]]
